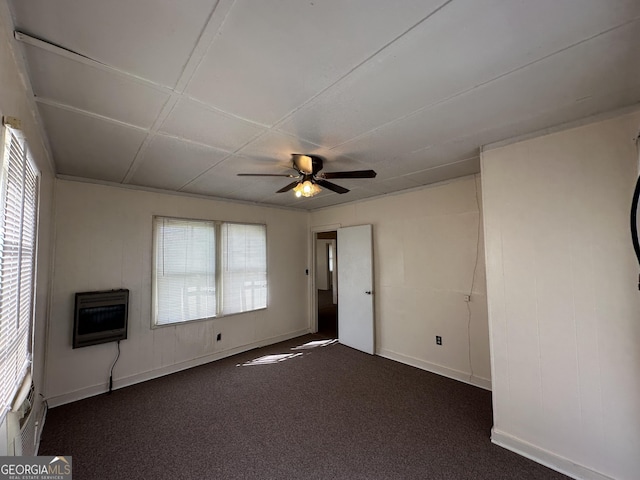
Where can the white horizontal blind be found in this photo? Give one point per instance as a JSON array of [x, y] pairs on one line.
[[204, 269], [244, 268], [185, 270], [19, 183]]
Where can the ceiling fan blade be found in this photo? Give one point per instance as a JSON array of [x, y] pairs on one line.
[[288, 187], [332, 186], [350, 174], [267, 175]]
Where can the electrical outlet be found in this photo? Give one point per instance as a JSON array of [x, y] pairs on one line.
[[467, 298], [218, 337], [438, 340]]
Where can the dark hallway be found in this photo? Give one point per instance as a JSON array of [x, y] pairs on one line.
[[327, 314]]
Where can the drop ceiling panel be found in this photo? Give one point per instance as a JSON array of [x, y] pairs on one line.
[[89, 147], [212, 184], [199, 123], [222, 180], [448, 172], [328, 200], [603, 64], [439, 59], [393, 184], [170, 163], [79, 85], [270, 57], [149, 38], [262, 189], [441, 154], [408, 89], [288, 200]]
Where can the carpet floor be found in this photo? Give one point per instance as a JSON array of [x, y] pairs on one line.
[[294, 410]]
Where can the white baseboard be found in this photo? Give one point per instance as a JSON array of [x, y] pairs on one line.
[[93, 390], [545, 457], [435, 368]]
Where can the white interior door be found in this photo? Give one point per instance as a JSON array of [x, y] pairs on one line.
[[355, 288]]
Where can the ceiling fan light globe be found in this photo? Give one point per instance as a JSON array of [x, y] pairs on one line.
[[306, 189]]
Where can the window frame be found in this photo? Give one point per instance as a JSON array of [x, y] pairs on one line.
[[30, 172], [218, 270]]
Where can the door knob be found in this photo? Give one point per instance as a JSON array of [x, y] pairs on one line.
[[368, 292]]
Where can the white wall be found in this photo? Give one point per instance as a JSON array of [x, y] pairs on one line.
[[322, 264], [15, 102], [564, 306], [104, 241], [425, 248]]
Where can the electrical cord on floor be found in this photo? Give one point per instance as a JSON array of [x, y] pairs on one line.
[[634, 220], [112, 366], [634, 213]]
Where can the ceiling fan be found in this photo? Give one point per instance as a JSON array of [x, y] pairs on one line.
[[309, 179]]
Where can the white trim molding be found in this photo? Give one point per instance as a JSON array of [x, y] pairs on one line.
[[545, 457], [437, 369]]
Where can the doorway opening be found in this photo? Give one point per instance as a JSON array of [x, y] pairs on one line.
[[326, 282]]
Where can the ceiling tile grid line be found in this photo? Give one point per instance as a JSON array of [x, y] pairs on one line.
[[213, 108], [150, 38], [420, 110], [6, 26], [198, 52], [80, 111], [76, 57], [206, 37], [519, 94], [164, 113], [189, 69], [282, 119], [279, 55], [235, 152], [192, 142], [435, 65], [286, 116], [185, 186], [360, 64], [410, 90]]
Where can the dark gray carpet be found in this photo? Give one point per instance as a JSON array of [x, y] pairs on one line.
[[329, 413]]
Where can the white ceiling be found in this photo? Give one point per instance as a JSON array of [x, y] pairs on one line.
[[183, 96]]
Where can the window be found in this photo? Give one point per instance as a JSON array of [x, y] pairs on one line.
[[19, 183], [203, 269]]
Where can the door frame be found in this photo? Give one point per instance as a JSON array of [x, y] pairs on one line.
[[313, 292]]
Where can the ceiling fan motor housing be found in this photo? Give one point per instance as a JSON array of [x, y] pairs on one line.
[[306, 164]]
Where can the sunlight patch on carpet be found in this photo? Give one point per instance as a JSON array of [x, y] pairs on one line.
[[315, 344], [270, 359]]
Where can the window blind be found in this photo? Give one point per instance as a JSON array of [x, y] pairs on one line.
[[185, 270], [244, 269], [19, 183], [204, 269]]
